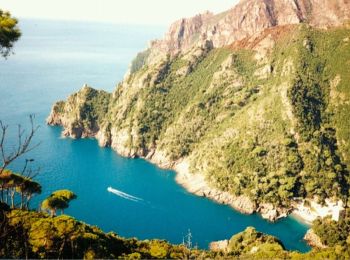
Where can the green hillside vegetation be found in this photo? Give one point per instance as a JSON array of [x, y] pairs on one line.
[[252, 242], [269, 129], [58, 200], [29, 234], [26, 233], [88, 109], [332, 232], [95, 107]]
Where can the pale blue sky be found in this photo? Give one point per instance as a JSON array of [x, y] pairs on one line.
[[161, 12]]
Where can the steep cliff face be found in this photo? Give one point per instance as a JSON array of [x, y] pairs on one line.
[[250, 17], [250, 100], [82, 114]]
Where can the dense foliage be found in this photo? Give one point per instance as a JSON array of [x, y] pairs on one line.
[[332, 232], [95, 106], [257, 244], [28, 234], [271, 128], [139, 61], [313, 107], [58, 200], [9, 33], [252, 244], [268, 128], [16, 187]]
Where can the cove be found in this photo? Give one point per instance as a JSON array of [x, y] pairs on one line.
[[53, 59]]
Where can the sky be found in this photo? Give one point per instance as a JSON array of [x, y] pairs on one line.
[[156, 12]]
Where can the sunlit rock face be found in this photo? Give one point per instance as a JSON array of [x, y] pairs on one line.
[[249, 17]]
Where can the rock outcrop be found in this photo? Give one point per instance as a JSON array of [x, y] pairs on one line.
[[250, 17], [196, 183], [227, 94], [272, 213], [82, 114], [313, 239], [218, 246]]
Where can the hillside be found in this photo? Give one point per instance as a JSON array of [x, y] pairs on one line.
[[250, 106], [29, 234]]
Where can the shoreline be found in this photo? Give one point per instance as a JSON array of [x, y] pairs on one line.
[[300, 219], [196, 184]]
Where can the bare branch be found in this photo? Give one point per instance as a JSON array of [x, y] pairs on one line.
[[25, 167], [23, 145], [33, 173], [2, 140]]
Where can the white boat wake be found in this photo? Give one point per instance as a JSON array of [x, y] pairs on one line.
[[123, 195]]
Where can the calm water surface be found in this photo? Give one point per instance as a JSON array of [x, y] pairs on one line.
[[54, 59]]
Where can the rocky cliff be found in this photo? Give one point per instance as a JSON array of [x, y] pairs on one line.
[[255, 100], [313, 240], [247, 18]]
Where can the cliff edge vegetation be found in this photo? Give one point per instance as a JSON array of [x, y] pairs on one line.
[[261, 116], [29, 234]]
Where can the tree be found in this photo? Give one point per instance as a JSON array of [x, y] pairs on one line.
[[53, 203], [58, 200], [28, 188], [9, 33], [9, 181], [25, 186], [65, 194], [23, 144]]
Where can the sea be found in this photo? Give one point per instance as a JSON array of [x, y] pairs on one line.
[[54, 59]]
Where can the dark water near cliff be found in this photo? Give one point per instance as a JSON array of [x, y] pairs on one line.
[[54, 59]]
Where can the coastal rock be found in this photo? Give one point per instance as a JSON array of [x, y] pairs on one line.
[[74, 115], [74, 131], [270, 212], [120, 140], [196, 183], [72, 127], [161, 160], [313, 240], [244, 205], [104, 137], [55, 115], [217, 246]]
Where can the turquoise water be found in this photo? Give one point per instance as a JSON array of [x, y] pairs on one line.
[[54, 59]]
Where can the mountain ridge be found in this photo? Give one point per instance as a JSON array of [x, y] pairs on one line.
[[247, 18], [255, 118]]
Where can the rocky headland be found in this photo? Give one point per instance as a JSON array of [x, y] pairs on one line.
[[220, 101]]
